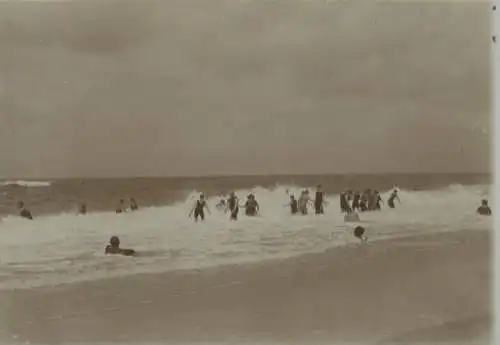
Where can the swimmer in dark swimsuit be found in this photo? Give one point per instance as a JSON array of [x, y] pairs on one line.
[[359, 232], [484, 209], [378, 200], [24, 212], [355, 201], [294, 205], [199, 208], [82, 209], [114, 247], [121, 207], [133, 205], [394, 196], [233, 206], [344, 204], [251, 206], [319, 201]]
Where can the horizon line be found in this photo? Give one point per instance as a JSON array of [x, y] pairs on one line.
[[237, 175]]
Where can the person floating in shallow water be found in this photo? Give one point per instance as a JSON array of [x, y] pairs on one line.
[[233, 206], [484, 209], [23, 211], [319, 200], [199, 208], [114, 247], [359, 232], [82, 208], [133, 205], [251, 206], [121, 206], [293, 204], [394, 196]]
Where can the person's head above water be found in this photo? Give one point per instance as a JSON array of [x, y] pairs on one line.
[[484, 202], [114, 241]]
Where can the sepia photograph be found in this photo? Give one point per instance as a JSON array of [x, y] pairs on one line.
[[246, 172]]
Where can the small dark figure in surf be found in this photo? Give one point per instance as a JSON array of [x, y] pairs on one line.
[[378, 200], [133, 205], [394, 196], [344, 204], [23, 211], [251, 206], [355, 201], [293, 204], [233, 206], [362, 205], [484, 209], [304, 201], [114, 247], [221, 204], [319, 200], [372, 200], [359, 232], [82, 209], [121, 206], [199, 208]]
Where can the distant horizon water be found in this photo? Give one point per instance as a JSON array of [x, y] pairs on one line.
[[228, 175]]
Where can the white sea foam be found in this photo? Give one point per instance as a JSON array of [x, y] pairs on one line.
[[23, 183], [65, 248]]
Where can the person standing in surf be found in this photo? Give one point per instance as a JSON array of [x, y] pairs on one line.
[[484, 209], [304, 201], [199, 208], [293, 204], [394, 196], [82, 209], [344, 204], [355, 201], [121, 207], [232, 205], [133, 205], [378, 201], [251, 206], [319, 200]]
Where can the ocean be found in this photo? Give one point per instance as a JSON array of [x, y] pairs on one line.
[[60, 247]]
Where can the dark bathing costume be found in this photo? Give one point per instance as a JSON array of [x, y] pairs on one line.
[[198, 210], [318, 203], [233, 207], [26, 214], [390, 202], [251, 207], [294, 206]]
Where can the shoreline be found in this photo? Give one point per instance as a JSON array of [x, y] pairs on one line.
[[385, 290]]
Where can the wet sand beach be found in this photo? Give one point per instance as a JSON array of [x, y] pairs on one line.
[[420, 289]]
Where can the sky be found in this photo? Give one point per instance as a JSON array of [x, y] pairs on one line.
[[192, 87]]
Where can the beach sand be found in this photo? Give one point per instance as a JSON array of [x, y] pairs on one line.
[[433, 288]]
